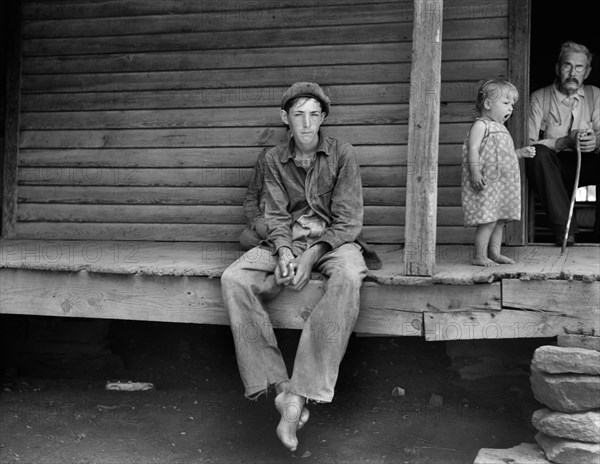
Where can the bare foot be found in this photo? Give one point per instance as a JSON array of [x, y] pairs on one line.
[[484, 262], [282, 387], [303, 417], [291, 408], [501, 259]]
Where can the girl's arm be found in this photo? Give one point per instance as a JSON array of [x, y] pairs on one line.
[[476, 134]]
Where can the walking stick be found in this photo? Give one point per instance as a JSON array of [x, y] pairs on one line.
[[572, 205]]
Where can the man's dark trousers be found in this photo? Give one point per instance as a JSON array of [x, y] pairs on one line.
[[552, 176]]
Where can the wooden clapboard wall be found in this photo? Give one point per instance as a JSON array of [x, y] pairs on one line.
[[2, 87], [141, 120]]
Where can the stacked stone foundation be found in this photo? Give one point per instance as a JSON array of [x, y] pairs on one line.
[[565, 378]]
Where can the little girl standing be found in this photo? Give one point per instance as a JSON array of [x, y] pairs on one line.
[[491, 182]]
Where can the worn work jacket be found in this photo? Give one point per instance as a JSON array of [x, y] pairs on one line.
[[331, 190]]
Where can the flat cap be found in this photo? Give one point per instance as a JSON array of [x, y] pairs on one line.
[[306, 89]]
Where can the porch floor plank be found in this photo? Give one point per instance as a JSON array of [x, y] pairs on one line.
[[203, 259], [180, 282]]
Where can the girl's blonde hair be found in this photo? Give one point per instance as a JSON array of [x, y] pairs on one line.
[[493, 89]]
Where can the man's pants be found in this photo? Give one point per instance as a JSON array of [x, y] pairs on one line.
[[553, 174], [250, 280]]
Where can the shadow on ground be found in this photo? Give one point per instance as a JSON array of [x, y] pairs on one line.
[[55, 408]]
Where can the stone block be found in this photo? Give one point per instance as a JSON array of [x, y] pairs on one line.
[[563, 451], [582, 426], [562, 360], [588, 342], [566, 393], [525, 453]]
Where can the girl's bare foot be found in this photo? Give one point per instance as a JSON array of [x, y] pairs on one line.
[[291, 408], [487, 262], [501, 259]]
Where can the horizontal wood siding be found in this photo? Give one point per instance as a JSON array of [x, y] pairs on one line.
[[141, 120]]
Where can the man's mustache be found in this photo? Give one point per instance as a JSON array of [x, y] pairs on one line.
[[572, 79]]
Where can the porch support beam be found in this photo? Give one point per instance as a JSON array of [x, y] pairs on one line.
[[519, 32], [12, 111], [423, 139]]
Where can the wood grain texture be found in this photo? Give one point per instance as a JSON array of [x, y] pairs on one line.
[[474, 49], [236, 137], [564, 297], [534, 265], [519, 31], [225, 117], [507, 323], [234, 78], [197, 232], [423, 140], [228, 176], [12, 111], [41, 10], [223, 96], [223, 39], [157, 111], [368, 155], [90, 194], [172, 299], [188, 214], [179, 282]]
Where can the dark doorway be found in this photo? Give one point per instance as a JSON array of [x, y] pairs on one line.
[[553, 23]]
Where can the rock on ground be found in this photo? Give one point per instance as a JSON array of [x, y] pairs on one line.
[[564, 451], [525, 453]]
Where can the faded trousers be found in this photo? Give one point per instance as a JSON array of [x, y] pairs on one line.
[[250, 281], [553, 175]]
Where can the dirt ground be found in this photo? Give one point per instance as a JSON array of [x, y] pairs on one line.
[[55, 408]]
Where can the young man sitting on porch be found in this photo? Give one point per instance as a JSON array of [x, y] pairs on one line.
[[314, 214], [256, 226]]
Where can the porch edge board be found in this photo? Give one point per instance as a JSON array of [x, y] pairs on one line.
[[530, 309], [179, 299]]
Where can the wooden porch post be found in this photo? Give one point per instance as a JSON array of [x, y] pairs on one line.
[[423, 138], [519, 32], [12, 111]]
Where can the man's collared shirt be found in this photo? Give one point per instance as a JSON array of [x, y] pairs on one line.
[[330, 191], [565, 114]]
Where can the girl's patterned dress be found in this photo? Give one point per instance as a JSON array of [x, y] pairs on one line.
[[501, 196]]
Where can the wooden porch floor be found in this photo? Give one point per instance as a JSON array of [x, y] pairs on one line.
[[209, 259], [542, 295]]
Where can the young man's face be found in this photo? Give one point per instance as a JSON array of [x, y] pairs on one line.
[[572, 71], [304, 118]]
